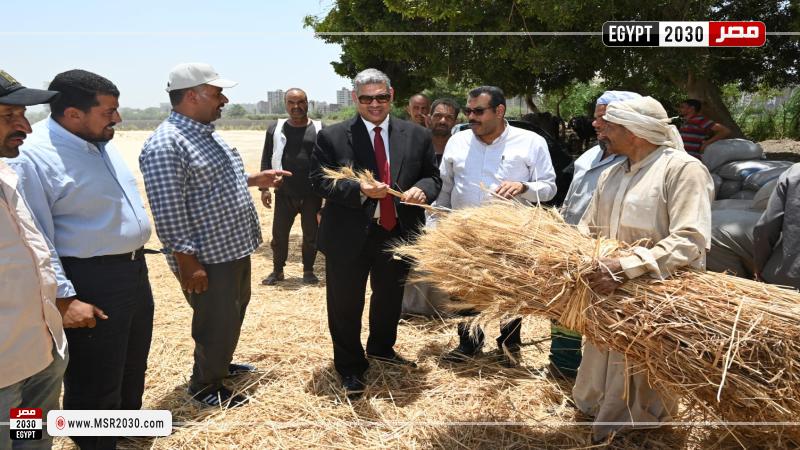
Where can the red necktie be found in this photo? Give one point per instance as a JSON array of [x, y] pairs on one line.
[[388, 220]]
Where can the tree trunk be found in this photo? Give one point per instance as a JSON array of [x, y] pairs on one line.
[[714, 108], [529, 101]]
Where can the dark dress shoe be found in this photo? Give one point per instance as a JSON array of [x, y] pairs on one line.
[[309, 277], [395, 360], [353, 386], [462, 353], [240, 369], [273, 278]]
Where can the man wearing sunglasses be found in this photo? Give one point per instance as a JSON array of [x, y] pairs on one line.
[[360, 222], [512, 163]]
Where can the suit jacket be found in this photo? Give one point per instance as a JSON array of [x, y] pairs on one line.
[[345, 218]]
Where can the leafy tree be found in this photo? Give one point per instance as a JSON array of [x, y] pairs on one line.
[[528, 65], [235, 110]]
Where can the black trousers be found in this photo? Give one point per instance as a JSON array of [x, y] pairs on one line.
[[107, 363], [346, 287], [217, 316], [286, 209]]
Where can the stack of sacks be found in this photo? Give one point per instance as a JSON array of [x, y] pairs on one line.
[[732, 222], [732, 241], [738, 168], [742, 179]]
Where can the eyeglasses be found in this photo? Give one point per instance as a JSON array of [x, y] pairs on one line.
[[478, 111], [367, 99]]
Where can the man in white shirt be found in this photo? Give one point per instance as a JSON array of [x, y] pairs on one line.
[[33, 354], [493, 160]]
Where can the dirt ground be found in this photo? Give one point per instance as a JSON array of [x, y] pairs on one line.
[[295, 400], [781, 146], [782, 149]]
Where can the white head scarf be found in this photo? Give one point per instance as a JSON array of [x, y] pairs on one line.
[[645, 118], [614, 96]]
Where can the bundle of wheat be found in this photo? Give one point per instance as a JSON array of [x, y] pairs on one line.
[[359, 176], [727, 345]]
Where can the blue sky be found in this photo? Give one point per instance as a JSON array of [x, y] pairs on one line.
[[136, 43]]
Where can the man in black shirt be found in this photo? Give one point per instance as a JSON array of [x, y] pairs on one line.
[[288, 145]]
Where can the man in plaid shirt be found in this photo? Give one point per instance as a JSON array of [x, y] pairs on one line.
[[206, 221]]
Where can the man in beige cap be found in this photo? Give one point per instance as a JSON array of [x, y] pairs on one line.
[[660, 198], [34, 347], [206, 221]]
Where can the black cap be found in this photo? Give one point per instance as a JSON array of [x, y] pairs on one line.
[[13, 93]]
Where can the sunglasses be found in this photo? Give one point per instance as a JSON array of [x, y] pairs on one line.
[[367, 99], [478, 111]]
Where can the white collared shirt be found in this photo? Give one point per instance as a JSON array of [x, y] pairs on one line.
[[385, 136], [516, 155]]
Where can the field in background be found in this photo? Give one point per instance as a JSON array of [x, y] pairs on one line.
[[295, 398]]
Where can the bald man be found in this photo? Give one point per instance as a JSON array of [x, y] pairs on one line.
[[288, 145]]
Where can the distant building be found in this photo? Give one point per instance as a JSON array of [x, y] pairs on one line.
[[262, 107], [333, 107], [344, 97], [275, 100], [316, 106]]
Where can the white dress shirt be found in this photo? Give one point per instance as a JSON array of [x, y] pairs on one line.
[[385, 136], [516, 155]]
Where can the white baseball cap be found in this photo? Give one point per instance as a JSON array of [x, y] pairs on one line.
[[187, 75]]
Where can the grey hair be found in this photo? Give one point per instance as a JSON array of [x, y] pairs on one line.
[[370, 76]]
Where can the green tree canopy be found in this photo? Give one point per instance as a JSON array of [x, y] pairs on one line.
[[526, 65], [235, 110]]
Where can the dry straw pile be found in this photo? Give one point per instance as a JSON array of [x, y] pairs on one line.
[[729, 346]]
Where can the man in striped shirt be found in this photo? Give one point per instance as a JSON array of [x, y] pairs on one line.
[[698, 131]]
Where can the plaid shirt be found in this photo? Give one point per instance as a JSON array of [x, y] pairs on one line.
[[198, 194]]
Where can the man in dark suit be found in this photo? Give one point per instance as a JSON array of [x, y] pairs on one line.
[[361, 221]]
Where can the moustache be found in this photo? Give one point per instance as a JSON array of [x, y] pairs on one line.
[[474, 122], [16, 135]]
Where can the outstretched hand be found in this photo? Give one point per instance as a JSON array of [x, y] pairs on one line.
[[268, 178]]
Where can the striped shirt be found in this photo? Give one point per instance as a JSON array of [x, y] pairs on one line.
[[197, 188], [694, 131]]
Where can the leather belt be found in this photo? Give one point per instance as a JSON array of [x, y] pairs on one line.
[[131, 256]]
